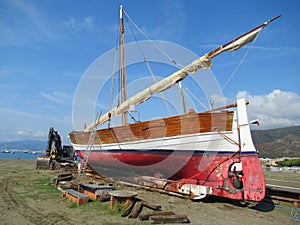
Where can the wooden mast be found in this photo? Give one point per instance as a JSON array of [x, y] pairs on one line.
[[123, 68], [182, 97]]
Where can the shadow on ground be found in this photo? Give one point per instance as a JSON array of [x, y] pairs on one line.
[[266, 205]]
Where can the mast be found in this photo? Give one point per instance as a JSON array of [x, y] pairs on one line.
[[123, 68], [182, 97]]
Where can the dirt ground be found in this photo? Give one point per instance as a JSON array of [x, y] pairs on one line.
[[27, 198]]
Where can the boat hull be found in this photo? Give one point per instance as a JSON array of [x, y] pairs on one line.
[[214, 170], [214, 150]]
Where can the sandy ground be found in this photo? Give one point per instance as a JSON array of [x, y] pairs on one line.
[[27, 198]]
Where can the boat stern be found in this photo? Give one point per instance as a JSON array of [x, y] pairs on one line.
[[253, 175]]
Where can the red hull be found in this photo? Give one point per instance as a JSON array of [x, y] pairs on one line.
[[216, 171]]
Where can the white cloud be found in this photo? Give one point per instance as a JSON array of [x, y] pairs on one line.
[[58, 97], [78, 25], [30, 133], [219, 100], [22, 22], [6, 111], [276, 109], [19, 125]]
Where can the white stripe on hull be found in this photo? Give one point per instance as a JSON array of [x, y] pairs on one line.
[[212, 141]]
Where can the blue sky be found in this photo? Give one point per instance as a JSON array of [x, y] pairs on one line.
[[46, 46]]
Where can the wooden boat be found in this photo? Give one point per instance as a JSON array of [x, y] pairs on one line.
[[197, 154]]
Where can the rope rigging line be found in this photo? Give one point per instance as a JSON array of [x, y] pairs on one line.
[[238, 66], [213, 166], [196, 99], [152, 42], [141, 51], [113, 77], [129, 20]]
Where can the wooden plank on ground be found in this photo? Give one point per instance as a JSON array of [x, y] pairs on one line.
[[128, 209], [137, 208], [169, 219], [146, 216], [151, 206]]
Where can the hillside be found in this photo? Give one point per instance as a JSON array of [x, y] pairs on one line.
[[281, 142]]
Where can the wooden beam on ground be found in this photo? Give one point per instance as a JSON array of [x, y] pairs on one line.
[[63, 178], [169, 219], [151, 206], [137, 208], [128, 209], [146, 216]]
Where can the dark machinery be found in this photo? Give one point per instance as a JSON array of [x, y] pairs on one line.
[[55, 157]]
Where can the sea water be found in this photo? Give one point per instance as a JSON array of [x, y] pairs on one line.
[[21, 154]]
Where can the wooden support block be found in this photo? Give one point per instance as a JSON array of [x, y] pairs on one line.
[[67, 174], [151, 206], [103, 195], [128, 209], [169, 219], [76, 196], [63, 178], [96, 192], [90, 194], [148, 205], [146, 216], [137, 208]]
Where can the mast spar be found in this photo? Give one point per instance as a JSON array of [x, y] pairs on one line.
[[123, 68]]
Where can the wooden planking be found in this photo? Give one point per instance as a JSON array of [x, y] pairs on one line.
[[166, 127]]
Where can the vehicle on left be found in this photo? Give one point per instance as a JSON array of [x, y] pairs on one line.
[[57, 156]]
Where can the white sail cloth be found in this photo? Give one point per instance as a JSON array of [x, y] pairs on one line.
[[237, 43]]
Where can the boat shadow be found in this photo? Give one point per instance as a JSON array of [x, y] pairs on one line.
[[267, 205]]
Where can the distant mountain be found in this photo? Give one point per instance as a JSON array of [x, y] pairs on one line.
[[24, 145], [275, 143]]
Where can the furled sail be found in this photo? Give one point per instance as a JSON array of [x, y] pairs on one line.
[[240, 41], [200, 63], [203, 62]]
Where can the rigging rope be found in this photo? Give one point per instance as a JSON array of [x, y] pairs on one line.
[[141, 51], [238, 66], [211, 168], [113, 77], [128, 19], [197, 99], [152, 42]]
